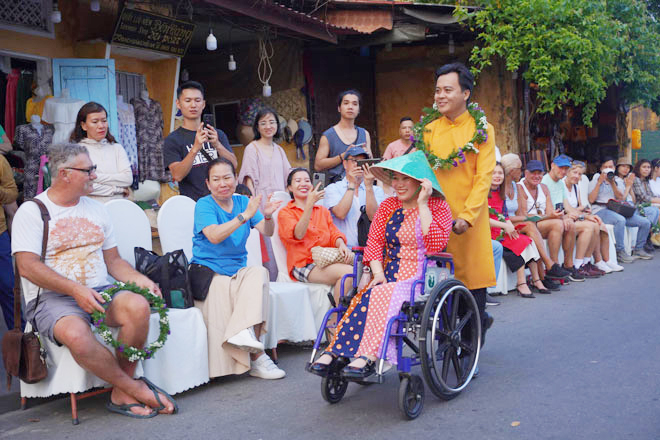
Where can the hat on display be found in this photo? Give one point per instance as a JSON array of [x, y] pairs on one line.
[[534, 165], [562, 161], [414, 165], [281, 122], [306, 128], [355, 152], [293, 125]]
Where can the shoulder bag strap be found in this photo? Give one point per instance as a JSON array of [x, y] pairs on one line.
[[17, 298], [45, 216]]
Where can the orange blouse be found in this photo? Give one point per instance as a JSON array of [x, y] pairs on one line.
[[320, 232]]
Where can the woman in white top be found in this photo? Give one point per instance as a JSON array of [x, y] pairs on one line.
[[113, 170], [599, 247], [654, 181]]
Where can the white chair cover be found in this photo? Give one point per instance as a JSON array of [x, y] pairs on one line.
[[176, 219], [131, 227]]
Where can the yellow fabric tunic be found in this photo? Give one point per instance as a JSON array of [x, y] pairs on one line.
[[466, 189]]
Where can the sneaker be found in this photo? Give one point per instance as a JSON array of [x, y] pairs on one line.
[[641, 253], [550, 285], [586, 273], [574, 275], [604, 267], [593, 270], [246, 340], [265, 368], [490, 301], [615, 267], [557, 272], [623, 257]]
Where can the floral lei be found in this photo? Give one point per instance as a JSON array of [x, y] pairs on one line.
[[132, 353], [457, 156]]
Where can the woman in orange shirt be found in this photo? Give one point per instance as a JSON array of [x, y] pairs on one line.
[[302, 225]]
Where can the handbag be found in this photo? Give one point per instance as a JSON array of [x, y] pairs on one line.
[[200, 280], [363, 225], [623, 208], [325, 256], [22, 353], [170, 272]]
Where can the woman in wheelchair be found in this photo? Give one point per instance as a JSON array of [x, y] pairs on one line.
[[406, 227]]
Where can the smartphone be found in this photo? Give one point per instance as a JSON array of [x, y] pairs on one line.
[[318, 178], [208, 119], [362, 162], [559, 206]]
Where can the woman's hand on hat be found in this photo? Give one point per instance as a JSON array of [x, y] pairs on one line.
[[425, 191]]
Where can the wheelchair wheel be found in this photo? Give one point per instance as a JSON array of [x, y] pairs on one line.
[[411, 396], [333, 388], [450, 339]]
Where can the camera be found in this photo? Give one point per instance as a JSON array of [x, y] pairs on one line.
[[610, 175]]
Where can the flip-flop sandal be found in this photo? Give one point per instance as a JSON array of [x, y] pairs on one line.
[[155, 389], [125, 410]]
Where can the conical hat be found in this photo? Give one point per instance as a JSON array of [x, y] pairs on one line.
[[413, 165]]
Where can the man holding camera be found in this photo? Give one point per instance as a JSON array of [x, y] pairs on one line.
[[348, 197], [602, 188]]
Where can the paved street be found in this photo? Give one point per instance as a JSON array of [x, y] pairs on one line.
[[578, 364]]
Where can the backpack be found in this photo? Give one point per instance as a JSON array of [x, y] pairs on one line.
[[170, 272]]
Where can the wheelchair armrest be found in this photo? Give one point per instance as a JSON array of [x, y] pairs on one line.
[[441, 257]]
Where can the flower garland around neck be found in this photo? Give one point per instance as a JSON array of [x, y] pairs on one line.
[[132, 353], [457, 156]]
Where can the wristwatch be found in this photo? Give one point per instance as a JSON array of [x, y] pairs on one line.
[[350, 188], [241, 218]]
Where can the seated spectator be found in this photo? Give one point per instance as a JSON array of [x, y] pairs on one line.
[[416, 222], [8, 194], [264, 169], [63, 290], [404, 144], [646, 200], [113, 170], [535, 205], [579, 233], [304, 225], [654, 180], [236, 305], [519, 250], [356, 191], [599, 248], [605, 186]]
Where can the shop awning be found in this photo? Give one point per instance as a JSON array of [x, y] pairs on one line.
[[365, 21]]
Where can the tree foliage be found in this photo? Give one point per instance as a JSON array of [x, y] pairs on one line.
[[573, 50]]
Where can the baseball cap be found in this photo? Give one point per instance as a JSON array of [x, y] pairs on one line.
[[562, 161], [355, 151], [534, 165]]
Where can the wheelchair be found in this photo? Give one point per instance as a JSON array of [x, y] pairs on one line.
[[439, 329]]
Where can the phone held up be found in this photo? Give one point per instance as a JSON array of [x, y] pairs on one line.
[[318, 178], [208, 119], [362, 162]]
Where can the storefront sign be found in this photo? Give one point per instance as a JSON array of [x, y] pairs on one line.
[[147, 30]]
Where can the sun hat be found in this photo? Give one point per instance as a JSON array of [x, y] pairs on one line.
[[534, 165], [562, 161], [413, 165], [624, 161]]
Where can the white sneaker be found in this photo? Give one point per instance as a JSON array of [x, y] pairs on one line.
[[246, 340], [602, 265], [264, 368], [615, 267]]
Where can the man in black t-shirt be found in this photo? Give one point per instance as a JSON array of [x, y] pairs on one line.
[[189, 148]]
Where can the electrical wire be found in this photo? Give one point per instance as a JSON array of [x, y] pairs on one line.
[[266, 52]]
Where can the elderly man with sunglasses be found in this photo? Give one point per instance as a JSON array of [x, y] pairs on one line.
[[62, 290]]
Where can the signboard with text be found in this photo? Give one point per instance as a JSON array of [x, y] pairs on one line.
[[146, 30]]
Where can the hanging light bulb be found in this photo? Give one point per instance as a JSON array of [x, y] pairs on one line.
[[231, 65], [211, 41], [267, 91], [452, 48], [56, 15], [95, 5]]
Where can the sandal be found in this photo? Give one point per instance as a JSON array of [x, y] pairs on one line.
[[533, 288], [125, 410], [321, 369], [355, 373], [524, 295], [155, 389]]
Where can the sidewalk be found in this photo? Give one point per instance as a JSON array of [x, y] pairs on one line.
[[10, 400]]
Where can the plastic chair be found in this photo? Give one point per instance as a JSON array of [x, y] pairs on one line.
[[176, 219], [131, 227]]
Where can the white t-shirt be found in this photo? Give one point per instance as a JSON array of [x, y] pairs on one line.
[[77, 237]]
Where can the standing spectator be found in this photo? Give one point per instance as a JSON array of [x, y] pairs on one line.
[[264, 169], [8, 194], [342, 136], [190, 148], [346, 198], [404, 144], [113, 170]]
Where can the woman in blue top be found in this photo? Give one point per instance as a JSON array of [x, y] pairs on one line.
[[235, 306]]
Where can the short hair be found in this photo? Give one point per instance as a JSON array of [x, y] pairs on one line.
[[404, 119], [61, 155], [261, 113], [78, 133], [465, 77], [341, 95], [189, 85], [638, 166], [218, 161], [289, 178]]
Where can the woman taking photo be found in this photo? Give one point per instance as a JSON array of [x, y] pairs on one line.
[[303, 225], [265, 168], [415, 222], [233, 298], [113, 170]]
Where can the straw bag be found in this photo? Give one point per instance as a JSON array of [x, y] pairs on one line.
[[325, 256]]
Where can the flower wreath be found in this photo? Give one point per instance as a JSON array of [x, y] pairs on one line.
[[132, 353], [457, 156]]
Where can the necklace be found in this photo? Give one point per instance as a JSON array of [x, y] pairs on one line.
[[458, 155]]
